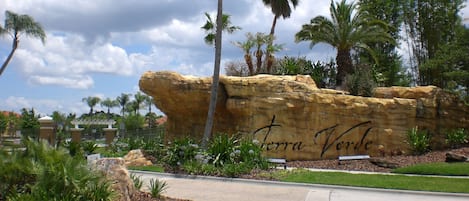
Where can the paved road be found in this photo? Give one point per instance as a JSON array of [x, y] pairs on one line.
[[222, 189]]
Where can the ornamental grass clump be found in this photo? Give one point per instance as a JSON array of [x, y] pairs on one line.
[[419, 141]]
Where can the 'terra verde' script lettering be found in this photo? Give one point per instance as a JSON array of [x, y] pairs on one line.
[[331, 131], [295, 146]]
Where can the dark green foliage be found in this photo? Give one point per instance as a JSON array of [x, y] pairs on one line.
[[361, 83], [222, 150], [3, 123], [449, 69], [29, 123], [180, 151], [44, 173], [456, 137], [89, 147], [225, 156], [419, 141], [322, 73], [134, 121]]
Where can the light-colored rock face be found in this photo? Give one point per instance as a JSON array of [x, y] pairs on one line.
[[136, 158], [293, 119], [119, 177]]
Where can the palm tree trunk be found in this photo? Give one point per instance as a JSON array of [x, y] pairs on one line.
[[7, 61], [344, 66], [216, 78], [248, 59]]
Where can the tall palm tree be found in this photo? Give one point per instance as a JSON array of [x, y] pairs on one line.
[[210, 28], [91, 101], [148, 102], [123, 99], [279, 8], [109, 103], [215, 78], [15, 26], [347, 29], [139, 98]]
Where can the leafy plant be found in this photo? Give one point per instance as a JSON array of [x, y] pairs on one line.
[[43, 173], [89, 147], [361, 83], [418, 140], [456, 137], [181, 151], [138, 183], [157, 187], [222, 149]]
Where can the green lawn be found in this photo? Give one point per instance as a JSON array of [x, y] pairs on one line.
[[449, 169], [402, 182], [151, 168]]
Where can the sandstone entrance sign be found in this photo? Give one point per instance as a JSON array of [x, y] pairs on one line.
[[293, 119]]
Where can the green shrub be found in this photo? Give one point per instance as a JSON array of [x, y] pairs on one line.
[[138, 183], [456, 137], [418, 140], [157, 187], [361, 83], [89, 147], [180, 151], [223, 150], [43, 173]]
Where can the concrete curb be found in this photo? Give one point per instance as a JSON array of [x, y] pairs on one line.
[[278, 183]]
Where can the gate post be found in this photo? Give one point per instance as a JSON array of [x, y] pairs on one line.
[[47, 129]]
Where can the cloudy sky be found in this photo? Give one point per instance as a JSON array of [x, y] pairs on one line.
[[102, 47]]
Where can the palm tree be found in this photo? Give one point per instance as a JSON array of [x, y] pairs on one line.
[[346, 30], [91, 101], [148, 102], [139, 99], [247, 46], [279, 8], [215, 79], [15, 26], [210, 28], [123, 99], [109, 103]]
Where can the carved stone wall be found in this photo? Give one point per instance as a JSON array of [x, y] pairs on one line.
[[294, 119]]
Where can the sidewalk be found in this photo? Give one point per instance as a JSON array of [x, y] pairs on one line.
[[202, 188]]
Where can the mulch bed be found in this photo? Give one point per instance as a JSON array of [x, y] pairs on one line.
[[353, 165], [365, 165]]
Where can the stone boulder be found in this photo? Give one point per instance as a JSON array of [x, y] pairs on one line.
[[453, 157], [116, 171], [383, 163], [136, 158], [295, 120]]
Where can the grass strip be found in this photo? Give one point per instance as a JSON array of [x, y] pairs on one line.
[[151, 168], [448, 169], [401, 182]]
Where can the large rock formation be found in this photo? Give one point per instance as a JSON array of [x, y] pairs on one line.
[[116, 172], [294, 119]]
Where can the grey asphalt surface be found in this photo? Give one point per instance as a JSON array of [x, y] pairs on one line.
[[201, 188]]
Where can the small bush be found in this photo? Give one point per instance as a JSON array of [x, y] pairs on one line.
[[89, 147], [44, 173], [455, 138], [180, 152], [222, 150], [418, 140], [361, 83], [157, 187], [138, 183]]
